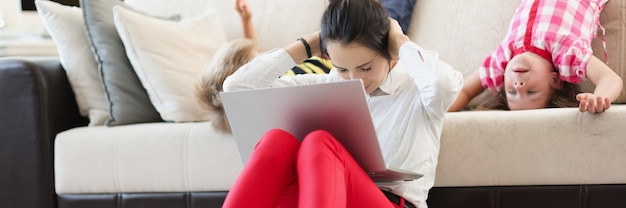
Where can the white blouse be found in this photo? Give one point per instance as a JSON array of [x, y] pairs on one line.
[[408, 108]]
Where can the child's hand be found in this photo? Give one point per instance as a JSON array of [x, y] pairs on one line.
[[243, 9], [592, 103]]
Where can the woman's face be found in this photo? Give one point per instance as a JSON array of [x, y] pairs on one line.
[[529, 81], [355, 61]]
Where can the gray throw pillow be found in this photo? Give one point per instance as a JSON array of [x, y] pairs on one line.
[[128, 100]]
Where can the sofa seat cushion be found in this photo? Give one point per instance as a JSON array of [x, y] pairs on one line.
[[557, 146], [154, 157]]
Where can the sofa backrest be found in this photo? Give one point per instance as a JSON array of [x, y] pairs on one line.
[[461, 31], [277, 22]]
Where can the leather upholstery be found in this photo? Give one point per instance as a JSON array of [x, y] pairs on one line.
[[142, 200], [571, 196], [36, 103]]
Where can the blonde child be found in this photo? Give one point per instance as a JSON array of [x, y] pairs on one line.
[[233, 55], [226, 61]]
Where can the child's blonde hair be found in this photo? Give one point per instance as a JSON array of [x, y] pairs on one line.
[[225, 62]]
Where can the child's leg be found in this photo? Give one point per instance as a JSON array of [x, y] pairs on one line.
[[330, 177], [269, 177]]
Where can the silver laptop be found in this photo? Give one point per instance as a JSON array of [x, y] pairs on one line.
[[340, 108]]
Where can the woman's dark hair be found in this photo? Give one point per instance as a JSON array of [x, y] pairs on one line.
[[563, 98], [363, 21]]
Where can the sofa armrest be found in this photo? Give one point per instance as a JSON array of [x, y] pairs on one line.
[[36, 103]]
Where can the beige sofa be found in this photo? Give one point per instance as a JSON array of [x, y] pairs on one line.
[[546, 157]]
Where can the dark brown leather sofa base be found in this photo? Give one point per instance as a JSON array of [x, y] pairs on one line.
[[36, 103], [143, 200], [568, 196]]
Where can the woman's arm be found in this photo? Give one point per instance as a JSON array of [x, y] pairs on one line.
[[298, 51], [438, 81], [265, 69], [608, 87], [471, 88]]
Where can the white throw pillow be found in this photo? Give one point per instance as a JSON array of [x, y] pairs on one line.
[[168, 56], [66, 27]]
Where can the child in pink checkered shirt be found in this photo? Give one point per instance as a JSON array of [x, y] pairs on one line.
[[546, 52]]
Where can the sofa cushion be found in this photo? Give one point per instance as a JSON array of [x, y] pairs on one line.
[[127, 99], [565, 147], [532, 147], [152, 157], [65, 26], [168, 57]]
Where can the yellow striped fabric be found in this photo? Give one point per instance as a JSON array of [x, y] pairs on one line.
[[313, 65]]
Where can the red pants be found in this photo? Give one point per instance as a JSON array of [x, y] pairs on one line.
[[319, 172]]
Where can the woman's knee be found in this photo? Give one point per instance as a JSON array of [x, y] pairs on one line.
[[277, 137], [319, 140], [320, 150], [276, 142], [319, 135], [277, 132]]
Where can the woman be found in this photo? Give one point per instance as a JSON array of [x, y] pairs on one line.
[[409, 92]]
